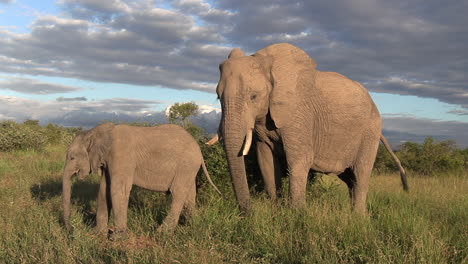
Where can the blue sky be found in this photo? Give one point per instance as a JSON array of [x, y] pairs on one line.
[[83, 54], [19, 14]]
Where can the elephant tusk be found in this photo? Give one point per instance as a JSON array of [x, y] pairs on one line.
[[213, 141], [248, 143]]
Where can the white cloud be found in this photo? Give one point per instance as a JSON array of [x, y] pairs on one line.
[[21, 108], [204, 109], [32, 86], [417, 129]]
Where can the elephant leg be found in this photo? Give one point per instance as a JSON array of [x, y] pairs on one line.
[[357, 181], [269, 169], [121, 185], [359, 184], [179, 197], [104, 204], [190, 201], [360, 189], [298, 173]]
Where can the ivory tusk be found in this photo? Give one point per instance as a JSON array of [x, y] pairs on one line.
[[248, 143], [213, 141]]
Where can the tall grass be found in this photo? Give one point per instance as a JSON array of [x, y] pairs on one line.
[[426, 225]]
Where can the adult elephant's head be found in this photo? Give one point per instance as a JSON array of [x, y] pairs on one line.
[[86, 154], [250, 88]]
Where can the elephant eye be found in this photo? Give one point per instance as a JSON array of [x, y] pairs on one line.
[[72, 158], [253, 97]]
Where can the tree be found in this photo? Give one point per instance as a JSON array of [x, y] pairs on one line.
[[384, 162], [180, 113], [31, 122], [432, 157]]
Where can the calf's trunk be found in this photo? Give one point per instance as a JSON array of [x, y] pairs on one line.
[[66, 196]]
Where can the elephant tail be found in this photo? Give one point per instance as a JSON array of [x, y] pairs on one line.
[[205, 171], [397, 161]]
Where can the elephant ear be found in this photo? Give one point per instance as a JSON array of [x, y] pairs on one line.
[[287, 64], [98, 145]]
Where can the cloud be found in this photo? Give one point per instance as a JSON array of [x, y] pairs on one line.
[[90, 8], [415, 48], [71, 99], [369, 41], [461, 112], [401, 129], [32, 86], [63, 112], [203, 109], [143, 46], [6, 1], [397, 85]]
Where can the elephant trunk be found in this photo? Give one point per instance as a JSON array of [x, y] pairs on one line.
[[234, 136], [66, 196]]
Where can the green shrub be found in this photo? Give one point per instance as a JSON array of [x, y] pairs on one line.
[[59, 135], [15, 136], [30, 135], [138, 122], [432, 157], [384, 162], [429, 158]]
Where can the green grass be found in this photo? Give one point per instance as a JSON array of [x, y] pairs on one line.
[[427, 225]]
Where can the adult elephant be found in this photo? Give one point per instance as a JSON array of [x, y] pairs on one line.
[[321, 121]]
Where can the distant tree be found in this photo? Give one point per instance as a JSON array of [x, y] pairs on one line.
[[180, 113], [465, 157], [432, 157], [31, 122], [15, 136], [429, 158], [384, 162]]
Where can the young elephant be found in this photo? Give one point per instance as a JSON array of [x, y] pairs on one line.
[[162, 158]]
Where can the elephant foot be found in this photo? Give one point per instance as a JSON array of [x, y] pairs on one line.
[[245, 209], [298, 203], [70, 232], [101, 231], [361, 212], [118, 235], [165, 229]]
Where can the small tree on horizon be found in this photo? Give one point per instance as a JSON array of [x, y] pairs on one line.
[[180, 113]]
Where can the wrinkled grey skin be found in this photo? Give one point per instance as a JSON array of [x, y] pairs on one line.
[[320, 121], [162, 158]]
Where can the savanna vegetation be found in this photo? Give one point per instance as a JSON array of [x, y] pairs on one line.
[[426, 225]]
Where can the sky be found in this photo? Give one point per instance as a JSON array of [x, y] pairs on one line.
[[79, 62]]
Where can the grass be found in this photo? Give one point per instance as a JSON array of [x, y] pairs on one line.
[[426, 225]]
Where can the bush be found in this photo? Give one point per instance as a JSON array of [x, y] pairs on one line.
[[15, 136], [57, 135], [384, 162], [430, 158], [30, 135]]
